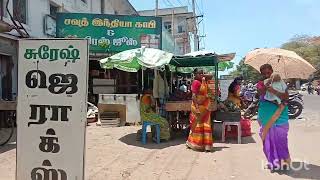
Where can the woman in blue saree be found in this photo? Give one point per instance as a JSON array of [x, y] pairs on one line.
[[274, 123]]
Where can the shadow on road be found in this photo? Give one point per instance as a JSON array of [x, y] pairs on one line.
[[244, 140], [7, 147], [302, 170], [131, 139]]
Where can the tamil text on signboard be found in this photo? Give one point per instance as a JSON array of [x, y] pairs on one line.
[[111, 33], [52, 109]]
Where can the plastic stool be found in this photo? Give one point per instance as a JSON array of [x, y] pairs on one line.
[[144, 131], [224, 124]]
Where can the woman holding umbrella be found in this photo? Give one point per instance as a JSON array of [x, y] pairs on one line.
[[272, 118], [274, 124]]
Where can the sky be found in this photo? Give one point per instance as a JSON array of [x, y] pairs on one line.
[[243, 25]]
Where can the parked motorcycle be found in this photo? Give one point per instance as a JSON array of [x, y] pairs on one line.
[[247, 96], [295, 106], [252, 109], [318, 90]]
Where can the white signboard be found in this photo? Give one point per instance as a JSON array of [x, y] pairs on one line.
[[224, 86], [52, 109]]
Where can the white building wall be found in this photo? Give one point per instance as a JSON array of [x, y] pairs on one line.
[[122, 7], [182, 41], [38, 9]]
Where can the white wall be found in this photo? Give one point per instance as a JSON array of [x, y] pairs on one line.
[[37, 9], [166, 11], [122, 7], [179, 18]]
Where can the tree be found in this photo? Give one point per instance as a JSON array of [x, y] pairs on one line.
[[246, 71], [307, 47]]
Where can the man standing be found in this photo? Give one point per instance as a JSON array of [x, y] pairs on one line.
[[160, 91]]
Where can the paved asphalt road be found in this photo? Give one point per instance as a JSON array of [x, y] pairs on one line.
[[114, 154], [312, 102], [311, 111]]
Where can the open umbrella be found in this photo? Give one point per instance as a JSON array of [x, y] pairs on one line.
[[132, 60], [286, 63]]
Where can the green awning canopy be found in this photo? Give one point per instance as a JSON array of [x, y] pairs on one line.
[[202, 60], [135, 59], [199, 61]]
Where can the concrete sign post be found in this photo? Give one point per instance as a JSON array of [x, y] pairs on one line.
[[52, 108]]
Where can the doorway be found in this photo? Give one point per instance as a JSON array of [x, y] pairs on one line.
[[6, 66]]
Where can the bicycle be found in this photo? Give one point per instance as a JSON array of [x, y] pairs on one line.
[[7, 127]]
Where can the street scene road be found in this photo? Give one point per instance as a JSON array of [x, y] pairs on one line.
[[114, 154], [159, 89]]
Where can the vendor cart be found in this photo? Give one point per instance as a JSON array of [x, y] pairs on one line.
[[175, 108]]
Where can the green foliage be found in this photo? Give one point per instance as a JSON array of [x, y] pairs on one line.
[[246, 71], [306, 47]]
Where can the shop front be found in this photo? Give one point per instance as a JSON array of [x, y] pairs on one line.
[[113, 89], [8, 75], [8, 64]]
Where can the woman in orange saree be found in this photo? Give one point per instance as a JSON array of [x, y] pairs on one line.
[[200, 136]]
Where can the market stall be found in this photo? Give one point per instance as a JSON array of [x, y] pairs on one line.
[[207, 61], [130, 61], [141, 59]]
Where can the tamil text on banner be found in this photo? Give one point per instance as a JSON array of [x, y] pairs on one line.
[[52, 106], [111, 33]]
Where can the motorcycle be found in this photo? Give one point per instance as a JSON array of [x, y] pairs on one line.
[[295, 106], [318, 90], [247, 96], [252, 109]]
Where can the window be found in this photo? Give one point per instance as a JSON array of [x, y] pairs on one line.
[[53, 10], [181, 29], [20, 10], [168, 26]]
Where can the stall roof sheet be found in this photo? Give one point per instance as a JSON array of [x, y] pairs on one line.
[[199, 61]]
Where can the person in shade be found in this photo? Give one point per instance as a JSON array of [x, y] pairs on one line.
[[234, 91], [274, 123], [147, 112], [200, 136]]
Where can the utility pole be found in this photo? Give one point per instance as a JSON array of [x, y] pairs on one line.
[[202, 37], [172, 24], [195, 28], [157, 8], [172, 31]]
